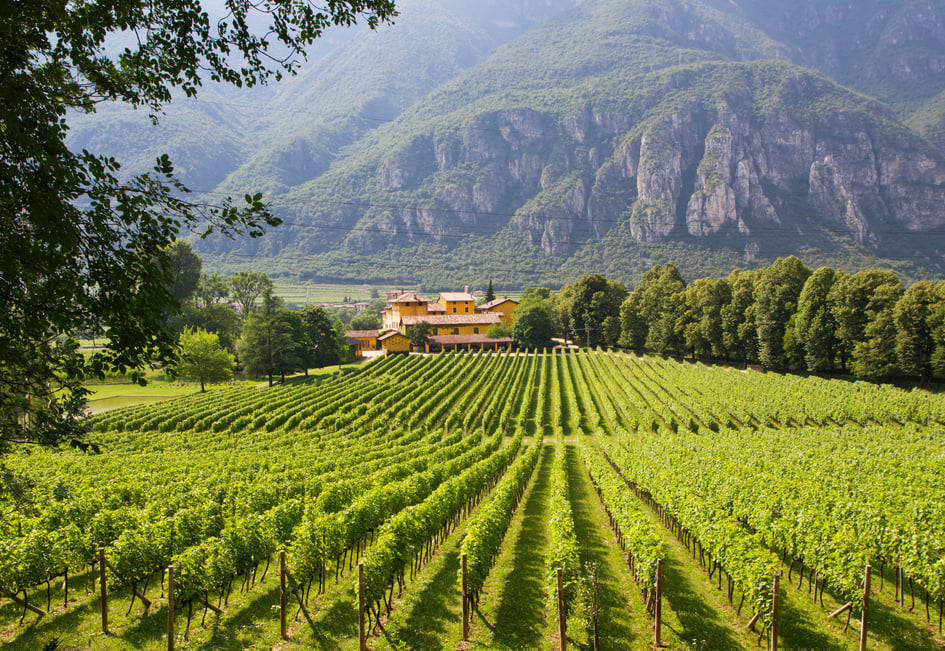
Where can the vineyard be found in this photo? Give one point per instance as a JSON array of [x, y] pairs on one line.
[[712, 507]]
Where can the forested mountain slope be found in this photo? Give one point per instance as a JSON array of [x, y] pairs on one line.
[[534, 140]]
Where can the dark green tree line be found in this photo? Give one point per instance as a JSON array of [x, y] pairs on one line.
[[784, 317]]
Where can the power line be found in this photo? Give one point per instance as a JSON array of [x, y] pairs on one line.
[[551, 218]]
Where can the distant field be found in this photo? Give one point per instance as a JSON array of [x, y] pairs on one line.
[[598, 463], [112, 395], [315, 294]]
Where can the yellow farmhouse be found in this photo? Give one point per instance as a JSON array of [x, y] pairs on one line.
[[505, 306], [452, 314]]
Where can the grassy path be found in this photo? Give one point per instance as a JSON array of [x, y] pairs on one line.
[[511, 611], [695, 614], [622, 620]]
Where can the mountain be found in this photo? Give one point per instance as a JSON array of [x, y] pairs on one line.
[[535, 141]]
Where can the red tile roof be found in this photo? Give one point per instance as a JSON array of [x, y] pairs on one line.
[[388, 335], [410, 297]]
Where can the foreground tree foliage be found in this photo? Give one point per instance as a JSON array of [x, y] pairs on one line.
[[81, 247]]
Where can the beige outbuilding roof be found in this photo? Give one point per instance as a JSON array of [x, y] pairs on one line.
[[457, 296], [484, 318]]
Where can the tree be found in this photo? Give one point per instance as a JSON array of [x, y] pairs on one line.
[[365, 321], [874, 356], [345, 314], [701, 320], [815, 328], [586, 304], [490, 295], [376, 306], [915, 322], [775, 302], [499, 331], [82, 247], [268, 346], [246, 287], [184, 266], [536, 292], [211, 289], [218, 318], [321, 337], [418, 334], [739, 332], [633, 328], [649, 315], [534, 324], [857, 301], [202, 358], [937, 321], [346, 352]]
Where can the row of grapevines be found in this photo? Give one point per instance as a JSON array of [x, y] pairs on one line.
[[323, 537], [563, 550], [486, 531], [636, 531], [742, 554], [404, 536]]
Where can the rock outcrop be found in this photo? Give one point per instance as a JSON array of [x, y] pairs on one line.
[[728, 170]]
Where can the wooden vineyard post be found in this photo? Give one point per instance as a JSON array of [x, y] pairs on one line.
[[562, 617], [282, 596], [362, 634], [465, 602], [170, 608], [104, 588], [775, 608], [658, 612], [866, 604]]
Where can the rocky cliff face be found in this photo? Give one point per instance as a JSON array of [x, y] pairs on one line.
[[698, 171]]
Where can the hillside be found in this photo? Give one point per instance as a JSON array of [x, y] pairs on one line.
[[536, 141]]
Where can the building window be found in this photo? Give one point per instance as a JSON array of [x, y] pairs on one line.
[[475, 331], [454, 309], [455, 331], [467, 308]]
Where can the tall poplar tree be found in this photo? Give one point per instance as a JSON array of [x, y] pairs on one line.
[[915, 314], [775, 302], [814, 325]]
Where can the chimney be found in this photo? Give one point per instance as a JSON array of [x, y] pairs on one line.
[[466, 289]]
